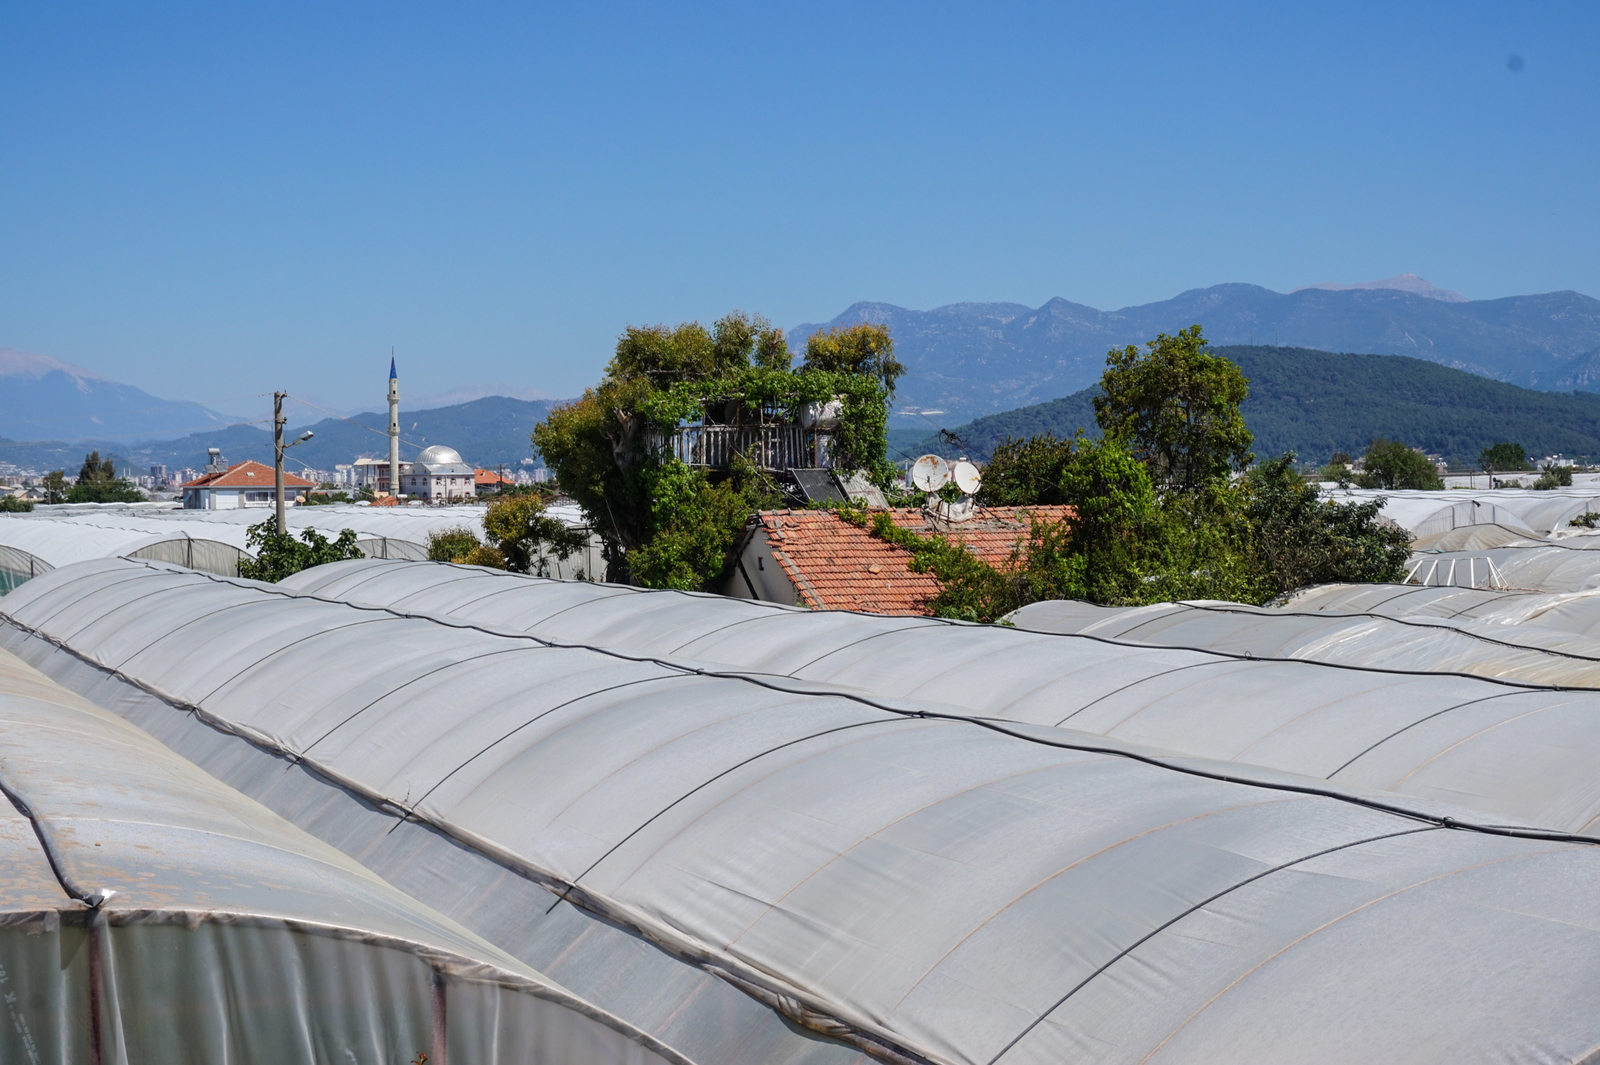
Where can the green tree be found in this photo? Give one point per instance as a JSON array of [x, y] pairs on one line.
[[453, 544], [279, 555], [96, 469], [98, 483], [863, 348], [1302, 539], [1553, 477], [525, 536], [662, 522], [15, 504], [1503, 457], [1157, 515], [55, 486], [1025, 472], [695, 539], [1389, 464], [1177, 406]]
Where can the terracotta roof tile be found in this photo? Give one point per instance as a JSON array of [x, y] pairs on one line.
[[837, 565], [248, 474]]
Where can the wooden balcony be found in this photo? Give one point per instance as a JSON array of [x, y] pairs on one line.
[[771, 447]]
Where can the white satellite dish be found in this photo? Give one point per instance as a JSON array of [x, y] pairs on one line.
[[966, 476], [930, 473]]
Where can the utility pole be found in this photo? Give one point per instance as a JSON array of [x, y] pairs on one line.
[[278, 448], [277, 454]]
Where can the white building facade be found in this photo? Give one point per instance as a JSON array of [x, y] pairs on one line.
[[438, 474]]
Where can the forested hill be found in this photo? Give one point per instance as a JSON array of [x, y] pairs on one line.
[[970, 360], [1317, 402]]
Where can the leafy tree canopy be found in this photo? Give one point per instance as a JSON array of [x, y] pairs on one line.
[[1177, 407], [13, 504], [1504, 456], [862, 348], [55, 486], [96, 468], [98, 483], [663, 523], [1390, 464], [279, 554], [525, 536], [1301, 539], [1554, 477], [1158, 515], [453, 544]]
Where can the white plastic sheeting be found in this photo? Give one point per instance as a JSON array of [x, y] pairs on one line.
[[150, 914], [1520, 750], [1568, 565], [921, 885], [32, 545], [1528, 615], [1485, 648], [399, 532], [1429, 513]]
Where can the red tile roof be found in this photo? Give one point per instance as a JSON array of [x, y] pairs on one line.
[[837, 565], [481, 477], [248, 474]]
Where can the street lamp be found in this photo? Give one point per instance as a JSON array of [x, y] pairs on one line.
[[278, 448]]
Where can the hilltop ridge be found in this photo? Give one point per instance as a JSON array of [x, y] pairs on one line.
[[972, 359]]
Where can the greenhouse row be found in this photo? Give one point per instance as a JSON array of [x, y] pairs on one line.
[[149, 913], [735, 832]]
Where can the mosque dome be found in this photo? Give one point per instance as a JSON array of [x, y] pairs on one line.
[[439, 455]]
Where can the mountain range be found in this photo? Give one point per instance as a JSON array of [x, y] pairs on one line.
[[966, 360], [1317, 402], [44, 398], [488, 432]]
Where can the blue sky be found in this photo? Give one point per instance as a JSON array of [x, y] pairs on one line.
[[214, 200]]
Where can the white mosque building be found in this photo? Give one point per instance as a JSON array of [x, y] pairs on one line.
[[438, 474]]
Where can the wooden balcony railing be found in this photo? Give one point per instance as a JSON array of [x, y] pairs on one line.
[[772, 447]]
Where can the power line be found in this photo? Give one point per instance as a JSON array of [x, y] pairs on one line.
[[380, 432]]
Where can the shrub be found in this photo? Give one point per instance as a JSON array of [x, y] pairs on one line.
[[279, 555]]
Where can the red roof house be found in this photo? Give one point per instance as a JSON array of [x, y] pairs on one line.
[[489, 480], [244, 484], [816, 558]]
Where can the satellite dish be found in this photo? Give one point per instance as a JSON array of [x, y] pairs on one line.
[[930, 473], [966, 476]]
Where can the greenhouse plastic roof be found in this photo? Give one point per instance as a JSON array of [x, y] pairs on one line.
[[1537, 656], [1520, 750], [919, 882], [1568, 565], [1423, 513], [61, 543], [183, 885]]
